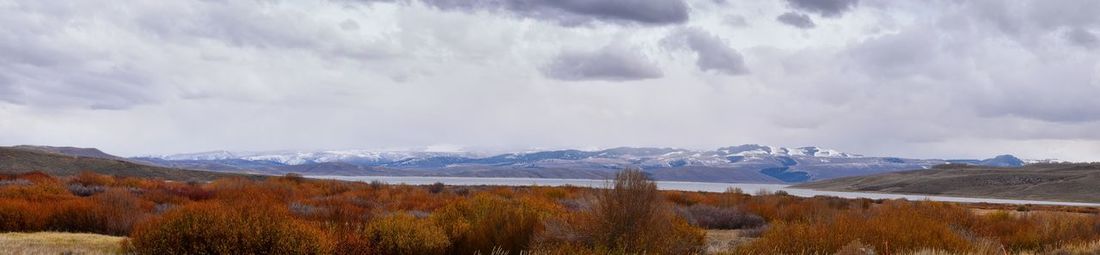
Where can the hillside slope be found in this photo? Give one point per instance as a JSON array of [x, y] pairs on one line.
[[1056, 182], [23, 159]]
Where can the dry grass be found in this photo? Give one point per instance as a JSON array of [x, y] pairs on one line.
[[59, 243], [1080, 249], [722, 240]]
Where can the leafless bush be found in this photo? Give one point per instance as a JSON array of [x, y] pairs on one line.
[[16, 182], [376, 184], [436, 188], [711, 217], [631, 217], [294, 177], [85, 190]]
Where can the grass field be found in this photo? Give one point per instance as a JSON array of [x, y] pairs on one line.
[[721, 240], [59, 243]]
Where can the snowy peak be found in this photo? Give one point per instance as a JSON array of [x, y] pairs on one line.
[[767, 163], [761, 150], [210, 155], [629, 155]]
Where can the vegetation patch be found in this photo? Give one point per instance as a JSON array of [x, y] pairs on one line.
[[59, 243]]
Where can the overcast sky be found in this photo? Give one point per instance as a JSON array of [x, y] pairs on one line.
[[933, 78]]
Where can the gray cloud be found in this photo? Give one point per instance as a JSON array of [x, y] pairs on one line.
[[1027, 21], [973, 70], [42, 71], [1083, 38], [826, 8], [712, 53], [794, 19], [735, 21], [578, 12], [9, 92], [612, 63]]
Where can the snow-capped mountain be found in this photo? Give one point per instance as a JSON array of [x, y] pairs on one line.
[[412, 158], [750, 162], [755, 149]]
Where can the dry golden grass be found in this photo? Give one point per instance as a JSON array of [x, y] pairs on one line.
[[1091, 248], [722, 240], [59, 243]]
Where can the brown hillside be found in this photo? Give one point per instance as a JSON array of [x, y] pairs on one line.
[[1055, 182], [19, 160]]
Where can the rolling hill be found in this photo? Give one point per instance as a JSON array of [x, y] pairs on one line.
[[1054, 182], [67, 161]]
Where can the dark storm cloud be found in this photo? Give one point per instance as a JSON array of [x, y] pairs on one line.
[[826, 8], [609, 64], [794, 19], [1026, 21], [578, 12], [1083, 38], [713, 53], [955, 63]]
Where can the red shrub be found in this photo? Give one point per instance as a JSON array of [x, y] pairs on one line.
[[487, 222], [19, 216], [215, 228]]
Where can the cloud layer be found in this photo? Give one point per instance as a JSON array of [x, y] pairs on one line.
[[610, 63], [932, 79], [712, 53], [576, 12], [826, 8], [795, 19]]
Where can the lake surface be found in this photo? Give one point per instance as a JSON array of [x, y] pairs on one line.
[[683, 186]]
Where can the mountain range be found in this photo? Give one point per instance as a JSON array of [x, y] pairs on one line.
[[743, 163]]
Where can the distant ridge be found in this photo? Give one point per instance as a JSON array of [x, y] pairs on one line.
[[71, 151], [742, 163], [67, 161], [1070, 182]]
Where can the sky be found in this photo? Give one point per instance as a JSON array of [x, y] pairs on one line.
[[922, 79]]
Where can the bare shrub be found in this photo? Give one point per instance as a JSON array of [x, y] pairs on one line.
[[404, 234], [631, 217], [119, 211], [19, 215], [711, 217], [17, 182], [436, 188], [295, 177], [377, 184], [88, 178], [487, 222], [891, 228], [85, 190]]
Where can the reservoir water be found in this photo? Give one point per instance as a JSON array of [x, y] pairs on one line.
[[683, 186]]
